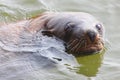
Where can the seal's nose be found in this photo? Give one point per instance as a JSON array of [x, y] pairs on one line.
[[91, 35]]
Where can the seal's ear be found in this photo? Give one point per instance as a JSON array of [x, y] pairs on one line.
[[37, 23]]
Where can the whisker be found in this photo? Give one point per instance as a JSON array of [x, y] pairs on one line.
[[75, 47], [78, 46], [85, 43], [81, 44], [101, 41], [70, 41], [70, 46]]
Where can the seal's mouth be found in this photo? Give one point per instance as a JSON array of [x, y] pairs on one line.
[[84, 46]]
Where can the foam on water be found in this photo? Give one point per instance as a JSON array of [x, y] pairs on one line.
[[34, 56]]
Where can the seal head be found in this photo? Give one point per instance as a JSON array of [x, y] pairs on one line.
[[81, 32]]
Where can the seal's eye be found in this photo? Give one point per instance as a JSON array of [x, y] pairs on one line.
[[99, 27], [69, 26]]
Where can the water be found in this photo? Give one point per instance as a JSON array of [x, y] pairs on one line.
[[104, 66]]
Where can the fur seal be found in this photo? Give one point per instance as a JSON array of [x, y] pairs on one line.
[[81, 32]]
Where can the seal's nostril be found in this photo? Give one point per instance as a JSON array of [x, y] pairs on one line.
[[92, 35]]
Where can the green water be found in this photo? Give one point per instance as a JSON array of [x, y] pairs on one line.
[[104, 66]]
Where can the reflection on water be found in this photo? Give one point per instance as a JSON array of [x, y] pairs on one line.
[[90, 64]]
